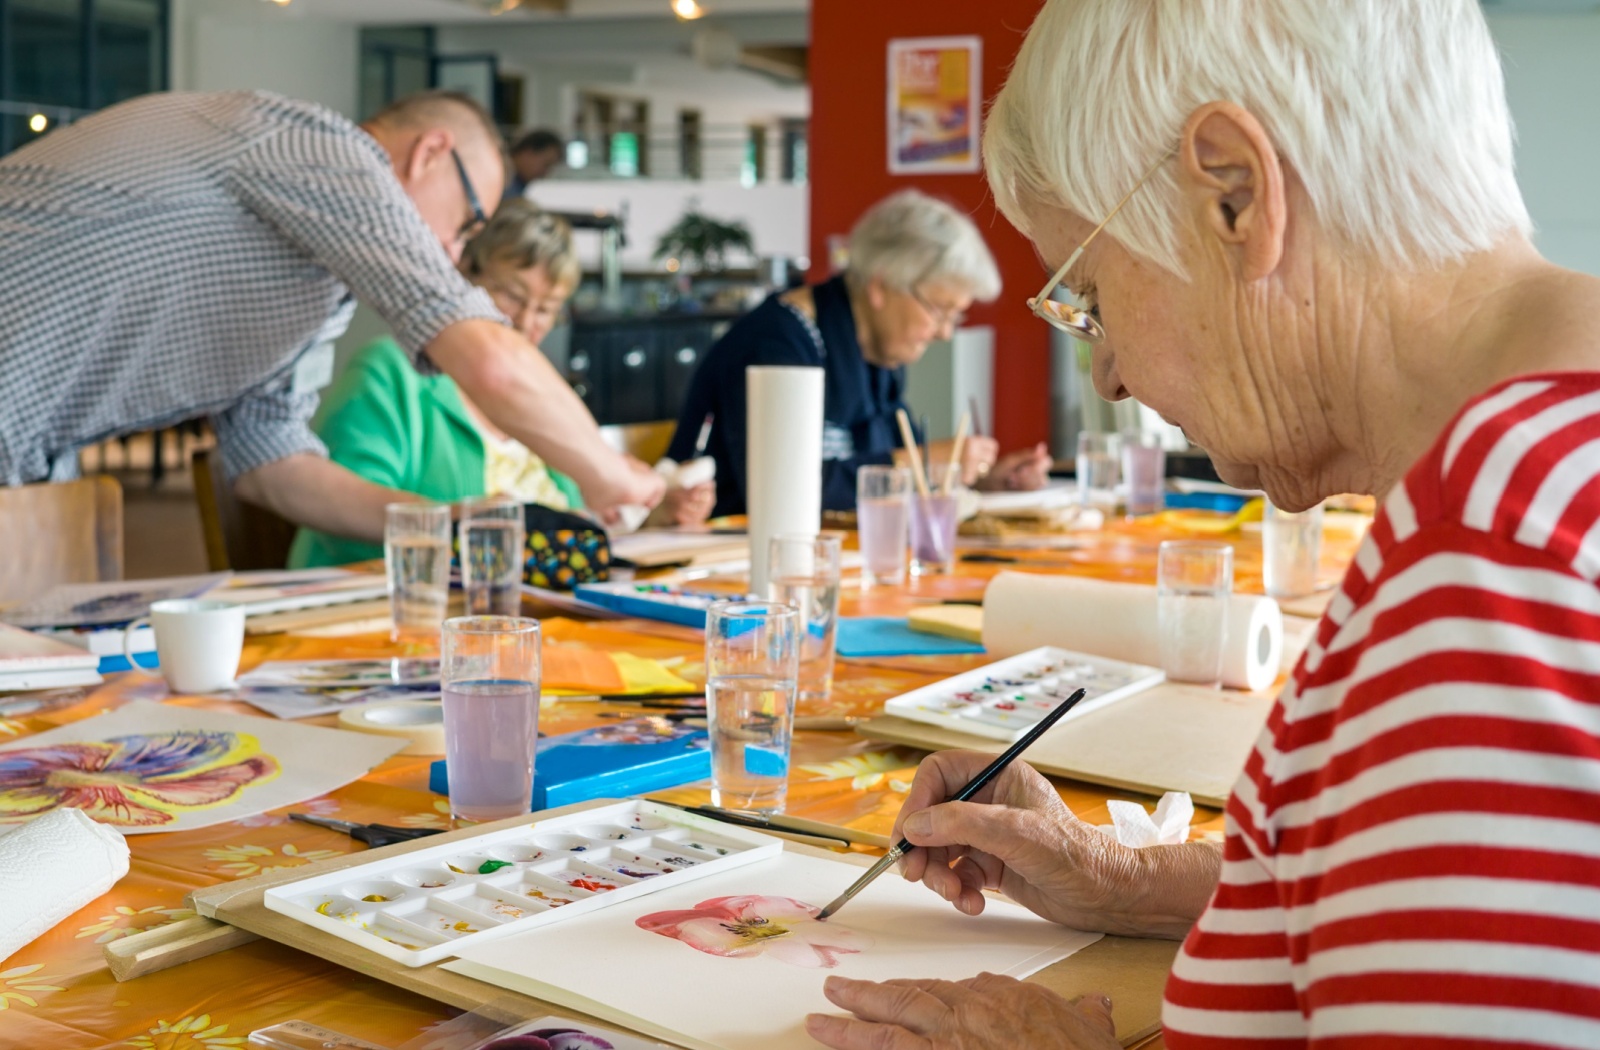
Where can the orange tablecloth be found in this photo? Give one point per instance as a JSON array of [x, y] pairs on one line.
[[57, 993]]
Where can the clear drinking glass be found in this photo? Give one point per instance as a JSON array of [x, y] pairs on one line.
[[1144, 470], [804, 573], [752, 666], [489, 673], [933, 533], [1291, 546], [1194, 585], [491, 555], [416, 551], [1098, 465], [883, 513]]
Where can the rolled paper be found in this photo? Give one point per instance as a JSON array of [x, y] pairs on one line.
[[419, 721], [783, 459], [50, 867], [1023, 611]]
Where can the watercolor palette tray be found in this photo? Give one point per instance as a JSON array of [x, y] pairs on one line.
[[425, 905], [1003, 700]]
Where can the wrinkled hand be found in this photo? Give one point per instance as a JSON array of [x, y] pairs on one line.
[[679, 506], [1016, 836], [978, 457], [1021, 471], [987, 1011], [631, 483]]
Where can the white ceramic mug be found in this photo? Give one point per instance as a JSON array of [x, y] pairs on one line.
[[197, 641]]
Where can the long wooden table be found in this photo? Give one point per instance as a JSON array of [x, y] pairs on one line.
[[58, 993]]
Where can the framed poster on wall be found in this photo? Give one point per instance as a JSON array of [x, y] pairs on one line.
[[935, 99]]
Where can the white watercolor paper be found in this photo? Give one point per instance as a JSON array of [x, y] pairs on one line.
[[604, 964], [157, 767]]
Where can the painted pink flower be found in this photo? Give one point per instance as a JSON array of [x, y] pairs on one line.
[[742, 927]]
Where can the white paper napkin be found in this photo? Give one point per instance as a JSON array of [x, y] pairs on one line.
[[1132, 826], [50, 867]]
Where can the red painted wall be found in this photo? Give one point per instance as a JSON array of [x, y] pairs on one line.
[[849, 170]]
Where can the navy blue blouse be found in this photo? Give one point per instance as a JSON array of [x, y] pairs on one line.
[[859, 399]]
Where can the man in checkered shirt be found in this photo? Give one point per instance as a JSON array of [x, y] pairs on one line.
[[185, 255]]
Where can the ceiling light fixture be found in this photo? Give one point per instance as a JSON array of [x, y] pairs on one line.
[[38, 122], [687, 10]]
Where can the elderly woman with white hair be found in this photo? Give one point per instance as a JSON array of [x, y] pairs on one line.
[[916, 265], [1315, 260]]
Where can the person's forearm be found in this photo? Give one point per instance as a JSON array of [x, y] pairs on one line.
[[316, 493], [1167, 889], [515, 385]]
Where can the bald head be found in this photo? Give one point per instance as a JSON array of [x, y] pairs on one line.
[[424, 134]]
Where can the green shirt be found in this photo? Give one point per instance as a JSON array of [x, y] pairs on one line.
[[392, 425]]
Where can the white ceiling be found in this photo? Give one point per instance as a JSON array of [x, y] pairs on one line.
[[425, 12]]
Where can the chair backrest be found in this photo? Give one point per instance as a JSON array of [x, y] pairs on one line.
[[239, 535], [648, 441], [67, 532]]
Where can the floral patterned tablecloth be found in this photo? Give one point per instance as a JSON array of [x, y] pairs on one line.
[[57, 994]]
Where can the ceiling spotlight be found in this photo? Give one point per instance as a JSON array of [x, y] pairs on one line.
[[38, 122], [688, 10]]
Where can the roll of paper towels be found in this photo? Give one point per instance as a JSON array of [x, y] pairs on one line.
[[50, 867], [1023, 611], [783, 459]]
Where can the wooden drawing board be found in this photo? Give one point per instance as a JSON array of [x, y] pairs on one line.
[[1132, 972], [1168, 738]]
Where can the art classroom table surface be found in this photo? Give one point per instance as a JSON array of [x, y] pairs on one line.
[[57, 992]]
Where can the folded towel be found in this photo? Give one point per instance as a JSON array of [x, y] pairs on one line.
[[52, 866]]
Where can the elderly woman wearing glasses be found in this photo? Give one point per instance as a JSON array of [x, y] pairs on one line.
[[421, 434], [916, 265], [1323, 274]]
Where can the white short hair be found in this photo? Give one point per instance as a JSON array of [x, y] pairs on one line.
[[1392, 113], [909, 238]]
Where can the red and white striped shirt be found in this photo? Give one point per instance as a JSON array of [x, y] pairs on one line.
[[1413, 850]]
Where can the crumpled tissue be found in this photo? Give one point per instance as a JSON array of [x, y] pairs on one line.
[[1132, 826], [52, 866]]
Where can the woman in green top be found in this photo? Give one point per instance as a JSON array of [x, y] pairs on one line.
[[394, 426]]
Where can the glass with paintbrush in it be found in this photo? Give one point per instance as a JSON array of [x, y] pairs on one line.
[[936, 511]]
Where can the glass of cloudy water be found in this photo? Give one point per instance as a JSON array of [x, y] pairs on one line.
[[752, 666], [1193, 589], [1099, 469], [489, 672], [491, 555], [416, 551], [883, 519], [804, 573], [1291, 548]]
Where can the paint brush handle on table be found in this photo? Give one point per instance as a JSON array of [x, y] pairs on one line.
[[975, 785]]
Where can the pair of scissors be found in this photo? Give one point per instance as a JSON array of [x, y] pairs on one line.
[[373, 835]]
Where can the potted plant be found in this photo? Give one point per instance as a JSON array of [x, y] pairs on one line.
[[702, 244]]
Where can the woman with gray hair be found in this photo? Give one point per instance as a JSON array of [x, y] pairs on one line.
[[1293, 229], [916, 265]]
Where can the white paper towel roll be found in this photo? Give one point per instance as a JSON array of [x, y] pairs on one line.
[[783, 459], [1023, 611], [50, 867]]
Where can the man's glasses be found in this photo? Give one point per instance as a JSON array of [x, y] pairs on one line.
[[1068, 318], [474, 225]]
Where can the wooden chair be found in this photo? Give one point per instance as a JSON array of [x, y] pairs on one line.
[[67, 532], [239, 535], [647, 441]]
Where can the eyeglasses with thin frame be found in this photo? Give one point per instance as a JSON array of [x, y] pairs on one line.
[[1068, 318], [479, 219], [942, 316]]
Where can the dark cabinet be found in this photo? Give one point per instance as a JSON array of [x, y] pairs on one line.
[[637, 370]]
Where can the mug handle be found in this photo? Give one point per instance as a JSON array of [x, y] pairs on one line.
[[127, 648]]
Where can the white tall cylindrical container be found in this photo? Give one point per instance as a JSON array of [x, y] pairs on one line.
[[783, 458]]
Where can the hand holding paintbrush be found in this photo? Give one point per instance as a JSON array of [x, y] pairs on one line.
[[975, 785]]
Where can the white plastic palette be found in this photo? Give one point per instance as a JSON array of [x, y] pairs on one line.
[[1004, 700], [426, 905]]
